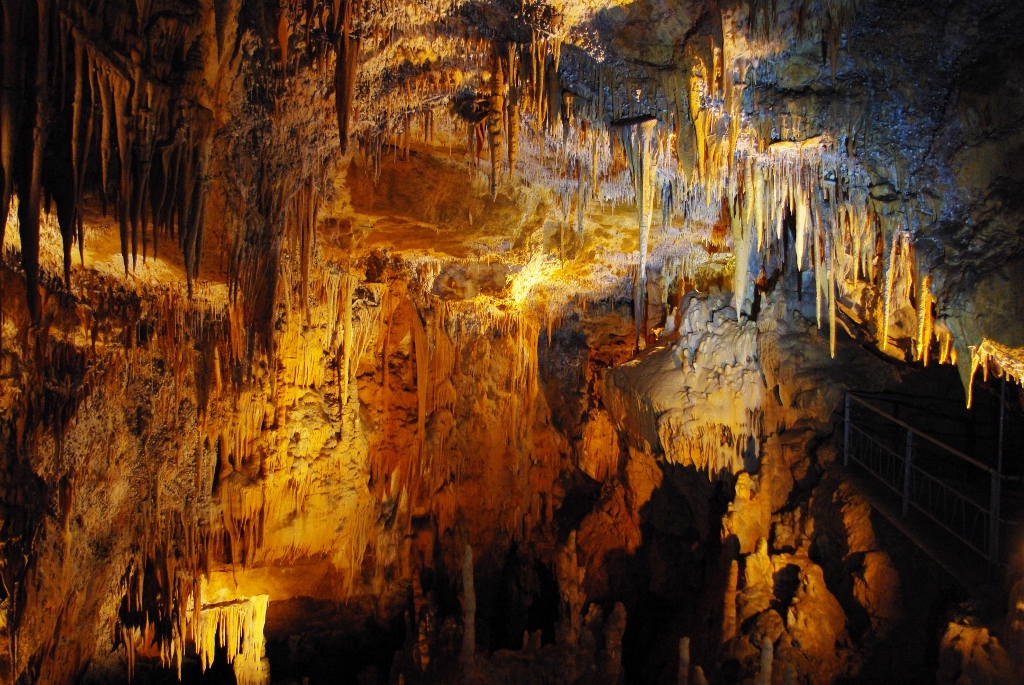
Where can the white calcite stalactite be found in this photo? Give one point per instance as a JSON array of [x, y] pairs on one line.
[[238, 627], [1006, 361]]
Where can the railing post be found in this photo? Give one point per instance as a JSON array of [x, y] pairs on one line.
[[908, 459], [993, 518], [846, 431], [1002, 425], [997, 484]]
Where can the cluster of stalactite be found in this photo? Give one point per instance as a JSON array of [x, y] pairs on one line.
[[514, 85], [561, 107], [184, 346], [824, 20], [100, 99], [164, 628], [990, 356], [710, 163], [837, 235], [440, 331]]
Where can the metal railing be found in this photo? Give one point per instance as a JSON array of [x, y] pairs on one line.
[[951, 492]]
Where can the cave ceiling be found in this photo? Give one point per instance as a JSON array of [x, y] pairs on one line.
[[449, 131]]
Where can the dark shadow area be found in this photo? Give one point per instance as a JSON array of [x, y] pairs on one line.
[[329, 648], [525, 598], [933, 400], [909, 654], [150, 672], [672, 585]]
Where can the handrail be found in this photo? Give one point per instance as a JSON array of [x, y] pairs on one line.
[[908, 400], [938, 443]]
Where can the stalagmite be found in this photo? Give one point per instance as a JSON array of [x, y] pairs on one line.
[[767, 655], [729, 600], [468, 610], [684, 661], [614, 629], [698, 676], [569, 575]]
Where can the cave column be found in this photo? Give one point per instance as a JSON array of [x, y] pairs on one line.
[[637, 136]]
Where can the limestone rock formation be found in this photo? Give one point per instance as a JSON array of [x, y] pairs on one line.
[[426, 341], [971, 654]]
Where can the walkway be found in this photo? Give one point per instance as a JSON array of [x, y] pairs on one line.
[[956, 509]]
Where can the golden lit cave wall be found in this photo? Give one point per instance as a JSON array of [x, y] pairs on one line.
[[238, 467]]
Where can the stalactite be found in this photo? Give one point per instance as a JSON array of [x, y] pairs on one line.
[[10, 106], [947, 353], [423, 384], [494, 120], [283, 34], [345, 370], [121, 90], [236, 626], [889, 276], [106, 116], [924, 320], [142, 162], [513, 113], [77, 145], [1006, 361], [346, 66], [31, 186]]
